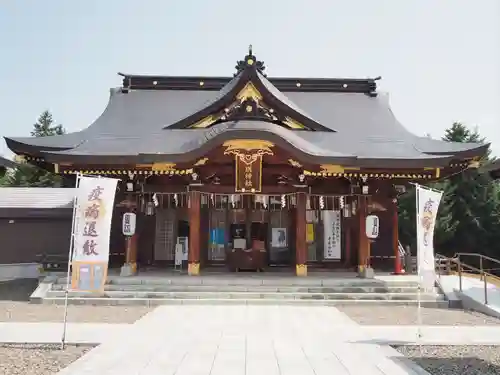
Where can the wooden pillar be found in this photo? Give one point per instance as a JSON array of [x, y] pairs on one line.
[[347, 234], [131, 252], [395, 237], [300, 235], [194, 213], [364, 243], [130, 266]]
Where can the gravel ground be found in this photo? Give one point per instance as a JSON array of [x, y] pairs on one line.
[[37, 359], [453, 360], [26, 312], [407, 315], [15, 307]]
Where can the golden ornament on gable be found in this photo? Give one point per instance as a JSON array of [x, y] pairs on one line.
[[237, 146], [249, 91], [202, 161]]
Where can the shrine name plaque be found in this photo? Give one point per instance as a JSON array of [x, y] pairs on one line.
[[248, 173]]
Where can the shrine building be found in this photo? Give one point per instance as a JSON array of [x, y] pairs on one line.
[[252, 172]]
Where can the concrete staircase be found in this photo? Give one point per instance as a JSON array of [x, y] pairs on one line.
[[241, 290]]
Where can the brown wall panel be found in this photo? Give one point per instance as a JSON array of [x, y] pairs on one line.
[[23, 240]]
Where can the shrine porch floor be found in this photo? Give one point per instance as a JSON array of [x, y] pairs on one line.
[[220, 276]]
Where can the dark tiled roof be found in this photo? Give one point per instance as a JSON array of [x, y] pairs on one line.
[[29, 197], [6, 163], [493, 169], [133, 123], [144, 121]]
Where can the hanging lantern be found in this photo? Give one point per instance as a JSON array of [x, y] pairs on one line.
[[283, 201], [321, 202], [347, 210], [257, 199], [150, 209]]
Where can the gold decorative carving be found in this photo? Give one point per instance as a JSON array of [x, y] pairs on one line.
[[202, 161], [248, 155], [474, 164], [193, 269], [301, 269], [294, 163], [249, 91], [437, 171], [293, 124], [331, 168], [163, 167], [205, 123], [237, 145]]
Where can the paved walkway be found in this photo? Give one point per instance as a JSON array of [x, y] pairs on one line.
[[244, 340], [216, 340], [473, 292]]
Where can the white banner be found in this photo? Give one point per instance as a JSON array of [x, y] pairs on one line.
[[93, 214], [332, 235], [427, 208]]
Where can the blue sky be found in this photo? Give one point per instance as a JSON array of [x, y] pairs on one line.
[[440, 60]]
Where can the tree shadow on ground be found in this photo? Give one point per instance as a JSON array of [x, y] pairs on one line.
[[17, 290]]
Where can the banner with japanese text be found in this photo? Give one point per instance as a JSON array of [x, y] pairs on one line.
[[91, 232], [427, 208], [332, 235]]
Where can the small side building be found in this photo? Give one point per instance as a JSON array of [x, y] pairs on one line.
[[33, 222]]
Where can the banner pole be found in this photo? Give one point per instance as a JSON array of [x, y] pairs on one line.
[[70, 257], [425, 187], [419, 276]]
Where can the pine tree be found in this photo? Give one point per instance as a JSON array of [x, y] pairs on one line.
[[34, 176], [45, 127], [471, 200], [468, 217]]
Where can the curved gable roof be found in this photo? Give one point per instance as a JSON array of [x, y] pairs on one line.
[[356, 123], [252, 91]]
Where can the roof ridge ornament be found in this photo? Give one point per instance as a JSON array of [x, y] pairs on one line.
[[250, 62]]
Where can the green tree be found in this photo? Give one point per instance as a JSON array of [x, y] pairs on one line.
[[36, 176], [45, 127], [468, 217]]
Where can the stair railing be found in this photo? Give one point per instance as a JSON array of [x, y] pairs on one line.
[[456, 265]]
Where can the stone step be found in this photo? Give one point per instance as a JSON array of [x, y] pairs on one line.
[[219, 301], [248, 282], [250, 295], [252, 289]]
